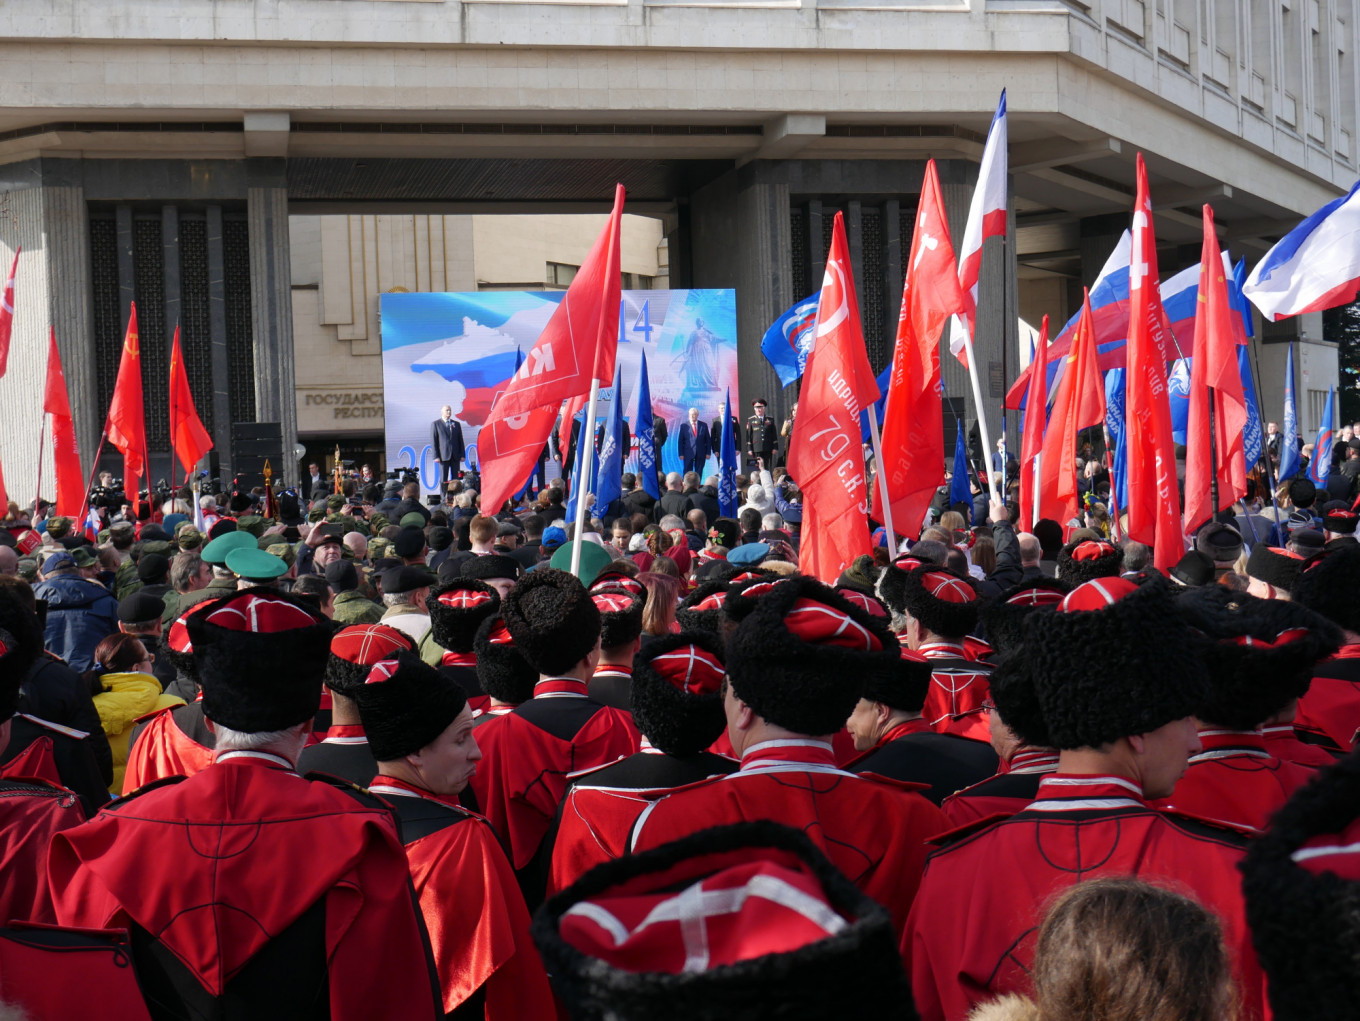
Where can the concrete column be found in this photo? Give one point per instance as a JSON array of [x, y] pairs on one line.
[[271, 307], [218, 419]]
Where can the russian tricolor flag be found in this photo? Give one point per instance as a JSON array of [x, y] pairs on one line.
[[1315, 266]]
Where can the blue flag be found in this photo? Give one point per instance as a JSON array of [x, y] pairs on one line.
[[578, 485], [1289, 441], [788, 342], [1114, 425], [959, 489], [1253, 436], [609, 474], [884, 378], [727, 466], [646, 441], [1320, 467], [1178, 395]]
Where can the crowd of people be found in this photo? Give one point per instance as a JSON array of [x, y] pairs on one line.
[[367, 757]]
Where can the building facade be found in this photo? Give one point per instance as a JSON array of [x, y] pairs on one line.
[[164, 156]]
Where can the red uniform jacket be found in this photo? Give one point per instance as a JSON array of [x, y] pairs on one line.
[[1003, 794], [527, 754], [1235, 780], [1282, 741], [31, 813], [873, 830], [215, 867], [1331, 708], [973, 925], [163, 749], [476, 918], [958, 687]]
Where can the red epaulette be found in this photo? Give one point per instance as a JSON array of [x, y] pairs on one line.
[[967, 829], [888, 781], [146, 788], [156, 712], [1231, 829]]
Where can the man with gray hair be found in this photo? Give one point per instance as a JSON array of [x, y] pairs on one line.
[[405, 589], [250, 923], [694, 442], [673, 500]]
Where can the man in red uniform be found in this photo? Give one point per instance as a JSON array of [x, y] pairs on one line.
[[620, 639], [344, 751], [677, 706], [457, 610], [934, 612], [796, 667], [248, 890], [420, 730], [1329, 714], [1302, 881], [507, 677], [1110, 678], [1258, 658], [561, 730]]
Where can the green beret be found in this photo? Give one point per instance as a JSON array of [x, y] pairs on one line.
[[216, 552], [593, 560], [252, 523], [413, 520], [253, 564], [283, 551], [58, 527]]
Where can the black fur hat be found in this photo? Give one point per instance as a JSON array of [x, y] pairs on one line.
[[21, 642], [405, 704], [1274, 566], [676, 692], [1330, 585], [504, 674], [743, 594], [1340, 522], [702, 609], [856, 961], [942, 603], [1079, 562], [356, 649], [261, 657], [620, 615], [902, 686], [1003, 618], [802, 656], [457, 610], [553, 620], [1258, 653], [1113, 659], [891, 586], [1304, 913]]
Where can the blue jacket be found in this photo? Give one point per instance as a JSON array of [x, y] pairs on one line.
[[79, 614]]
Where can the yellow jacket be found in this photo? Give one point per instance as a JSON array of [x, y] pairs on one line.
[[126, 697]]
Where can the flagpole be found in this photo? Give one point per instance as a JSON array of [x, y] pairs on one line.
[[1265, 443], [882, 481], [94, 467], [1034, 503], [42, 439], [1213, 456], [981, 413], [587, 456]]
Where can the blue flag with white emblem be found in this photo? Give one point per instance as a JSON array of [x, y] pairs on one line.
[[1289, 440], [1320, 467], [1119, 437], [959, 489], [609, 477], [788, 341], [727, 467], [646, 440]]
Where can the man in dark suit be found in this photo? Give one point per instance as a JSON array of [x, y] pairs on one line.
[[312, 482], [694, 442], [446, 437]]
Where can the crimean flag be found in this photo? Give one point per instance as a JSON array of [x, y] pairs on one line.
[[913, 418], [1036, 418], [187, 435], [1214, 366], [126, 426], [1078, 403], [1154, 506], [825, 452], [66, 454], [576, 348], [7, 315]]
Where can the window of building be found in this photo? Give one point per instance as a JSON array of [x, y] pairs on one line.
[[1317, 403], [560, 274]]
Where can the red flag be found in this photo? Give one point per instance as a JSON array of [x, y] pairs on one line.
[[188, 438], [65, 453], [1036, 418], [1154, 507], [576, 347], [7, 319], [913, 417], [126, 426], [825, 450], [1079, 403], [1214, 365]]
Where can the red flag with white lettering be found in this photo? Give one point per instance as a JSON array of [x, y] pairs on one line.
[[1079, 403], [1036, 417], [65, 453], [7, 313], [913, 417], [1214, 365], [576, 347], [825, 452], [1154, 506]]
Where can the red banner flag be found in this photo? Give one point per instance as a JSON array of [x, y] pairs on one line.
[[576, 347], [1036, 418], [188, 438], [7, 318], [1214, 365], [913, 417], [1154, 507], [126, 426], [65, 453], [825, 452], [1079, 403]]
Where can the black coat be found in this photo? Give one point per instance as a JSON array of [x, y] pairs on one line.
[[56, 693], [447, 440]]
